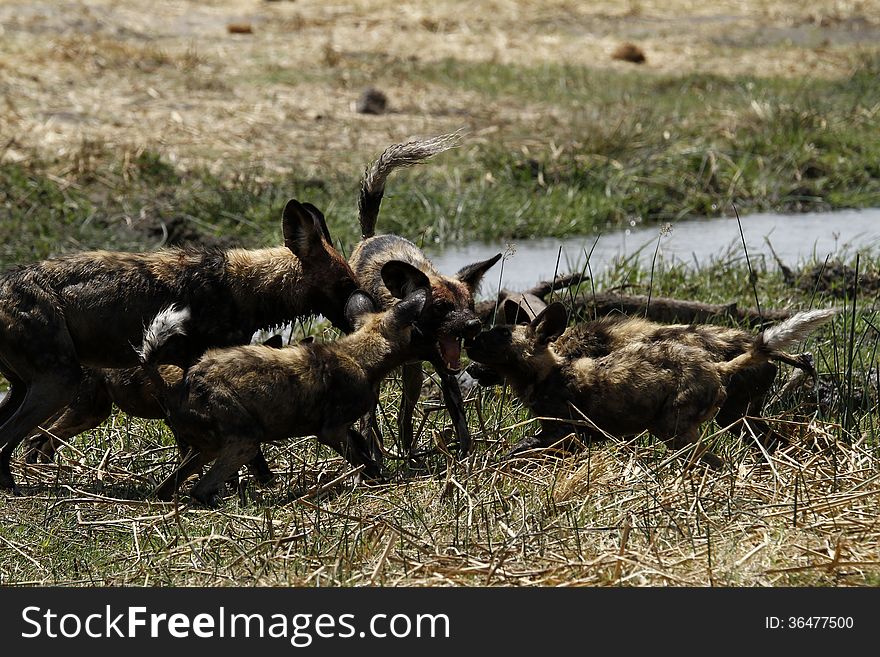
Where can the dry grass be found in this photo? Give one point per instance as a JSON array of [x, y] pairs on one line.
[[617, 514], [169, 75]]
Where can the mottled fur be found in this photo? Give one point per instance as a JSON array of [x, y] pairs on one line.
[[129, 389], [621, 382], [451, 316], [233, 399], [88, 309]]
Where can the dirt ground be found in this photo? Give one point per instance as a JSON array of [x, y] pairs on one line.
[[122, 75]]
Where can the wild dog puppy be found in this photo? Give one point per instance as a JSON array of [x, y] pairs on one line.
[[133, 392], [233, 399], [668, 387], [87, 309], [450, 318]]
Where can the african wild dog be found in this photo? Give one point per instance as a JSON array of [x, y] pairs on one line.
[[87, 309], [746, 390], [133, 392], [450, 317], [667, 386], [233, 399]]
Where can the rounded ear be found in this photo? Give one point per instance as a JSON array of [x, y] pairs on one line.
[[551, 323], [302, 231], [407, 312], [318, 216], [512, 312], [359, 305], [473, 274], [521, 308], [401, 278], [275, 342], [309, 339]]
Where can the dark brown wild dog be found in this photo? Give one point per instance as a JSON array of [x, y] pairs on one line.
[[87, 309], [233, 399], [450, 317], [666, 386]]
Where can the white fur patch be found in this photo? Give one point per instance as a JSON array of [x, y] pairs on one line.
[[169, 322]]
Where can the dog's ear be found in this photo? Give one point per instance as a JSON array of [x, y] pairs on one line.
[[521, 308], [408, 311], [318, 216], [275, 342], [550, 323], [357, 308], [473, 274], [401, 278], [302, 230], [309, 339]]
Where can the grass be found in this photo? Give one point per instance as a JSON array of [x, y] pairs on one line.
[[633, 147], [618, 513]]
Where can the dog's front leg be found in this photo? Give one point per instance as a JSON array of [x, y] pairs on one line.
[[455, 405], [369, 429], [412, 377], [191, 461]]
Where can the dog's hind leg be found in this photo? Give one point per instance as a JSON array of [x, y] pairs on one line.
[[90, 406], [234, 454], [455, 406], [43, 398]]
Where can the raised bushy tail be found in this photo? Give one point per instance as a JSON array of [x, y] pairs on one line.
[[394, 157], [169, 322], [772, 341]]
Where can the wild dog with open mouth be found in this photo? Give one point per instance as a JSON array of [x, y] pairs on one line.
[[233, 399], [87, 309], [450, 317], [666, 386]]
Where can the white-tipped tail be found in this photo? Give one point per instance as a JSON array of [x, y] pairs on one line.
[[796, 329], [169, 322]]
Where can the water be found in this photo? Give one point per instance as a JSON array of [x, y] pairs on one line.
[[795, 238]]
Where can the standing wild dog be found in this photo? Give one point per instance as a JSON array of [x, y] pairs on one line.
[[450, 317], [667, 386], [87, 309], [133, 392], [233, 399]]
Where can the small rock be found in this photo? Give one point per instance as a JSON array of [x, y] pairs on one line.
[[240, 28], [629, 52], [371, 101]]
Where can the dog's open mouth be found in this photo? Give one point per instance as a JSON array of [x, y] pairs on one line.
[[450, 352]]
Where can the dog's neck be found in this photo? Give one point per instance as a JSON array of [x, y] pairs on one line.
[[375, 353]]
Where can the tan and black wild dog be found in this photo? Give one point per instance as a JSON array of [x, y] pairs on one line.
[[132, 391], [88, 309], [235, 398], [668, 385], [450, 317]]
